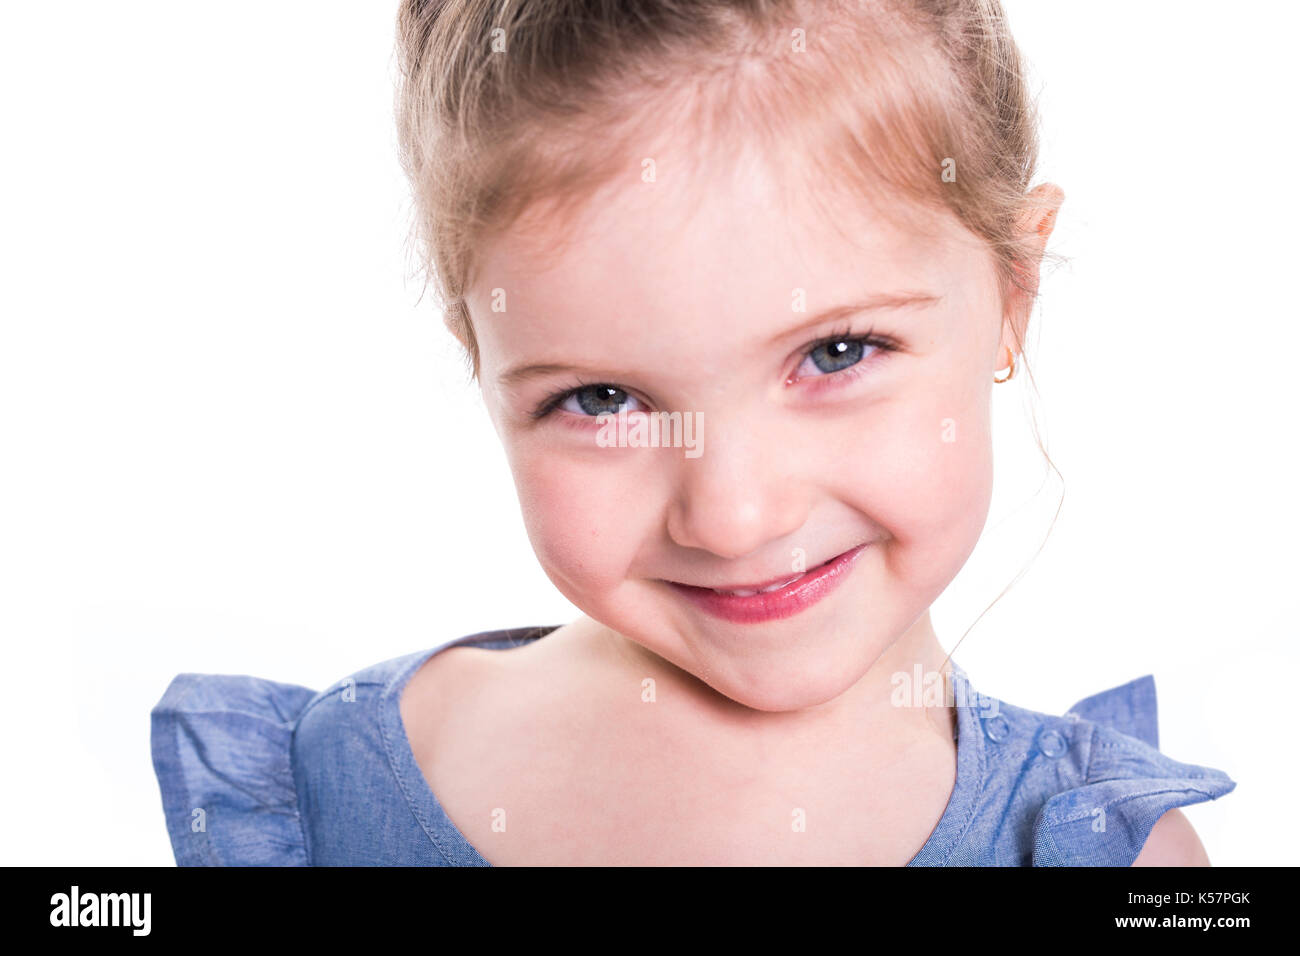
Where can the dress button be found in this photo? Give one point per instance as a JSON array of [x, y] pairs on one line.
[[996, 729], [1051, 744]]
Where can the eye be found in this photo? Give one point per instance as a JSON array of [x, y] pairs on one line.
[[592, 400], [837, 353], [834, 356]]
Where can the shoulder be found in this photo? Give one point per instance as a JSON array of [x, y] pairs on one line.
[[363, 796], [1088, 787], [468, 687], [347, 714]]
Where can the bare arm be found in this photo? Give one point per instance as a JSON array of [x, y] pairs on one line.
[[1173, 842]]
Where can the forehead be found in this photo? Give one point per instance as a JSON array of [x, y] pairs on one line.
[[701, 256]]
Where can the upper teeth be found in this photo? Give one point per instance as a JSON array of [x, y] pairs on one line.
[[770, 587]]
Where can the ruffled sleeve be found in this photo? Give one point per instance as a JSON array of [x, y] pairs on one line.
[[1129, 784], [221, 752], [1129, 708]]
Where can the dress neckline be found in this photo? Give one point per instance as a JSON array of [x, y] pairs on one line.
[[458, 851]]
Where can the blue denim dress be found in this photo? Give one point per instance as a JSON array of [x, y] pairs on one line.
[[258, 773]]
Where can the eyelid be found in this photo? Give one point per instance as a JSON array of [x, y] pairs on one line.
[[552, 402], [846, 334], [557, 399]]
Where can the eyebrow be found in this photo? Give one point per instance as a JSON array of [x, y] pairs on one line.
[[874, 303]]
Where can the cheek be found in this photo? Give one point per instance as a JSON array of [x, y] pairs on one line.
[[925, 473], [579, 525]]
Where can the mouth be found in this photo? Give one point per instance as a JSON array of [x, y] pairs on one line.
[[773, 599]]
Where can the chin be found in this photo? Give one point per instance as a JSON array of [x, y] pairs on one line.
[[775, 673], [779, 690]]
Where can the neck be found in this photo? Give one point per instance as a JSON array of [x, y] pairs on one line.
[[881, 705]]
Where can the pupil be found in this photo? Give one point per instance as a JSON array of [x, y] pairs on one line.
[[601, 400], [834, 356]]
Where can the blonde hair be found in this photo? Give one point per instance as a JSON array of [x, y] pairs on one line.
[[509, 106], [509, 109]]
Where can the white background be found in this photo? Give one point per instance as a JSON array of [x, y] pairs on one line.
[[232, 440]]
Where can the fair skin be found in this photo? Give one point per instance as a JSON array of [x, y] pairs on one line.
[[681, 299]]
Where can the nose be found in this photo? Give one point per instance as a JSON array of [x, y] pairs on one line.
[[739, 494]]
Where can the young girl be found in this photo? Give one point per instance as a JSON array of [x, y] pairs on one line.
[[735, 278]]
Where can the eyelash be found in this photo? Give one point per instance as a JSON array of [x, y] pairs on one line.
[[881, 344]]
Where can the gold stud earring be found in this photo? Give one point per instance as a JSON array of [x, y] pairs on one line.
[[1010, 371]]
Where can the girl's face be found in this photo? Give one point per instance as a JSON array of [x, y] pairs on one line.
[[809, 441]]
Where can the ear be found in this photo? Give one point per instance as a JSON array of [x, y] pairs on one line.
[[1034, 227]]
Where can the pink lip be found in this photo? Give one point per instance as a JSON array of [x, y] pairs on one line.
[[784, 602]]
